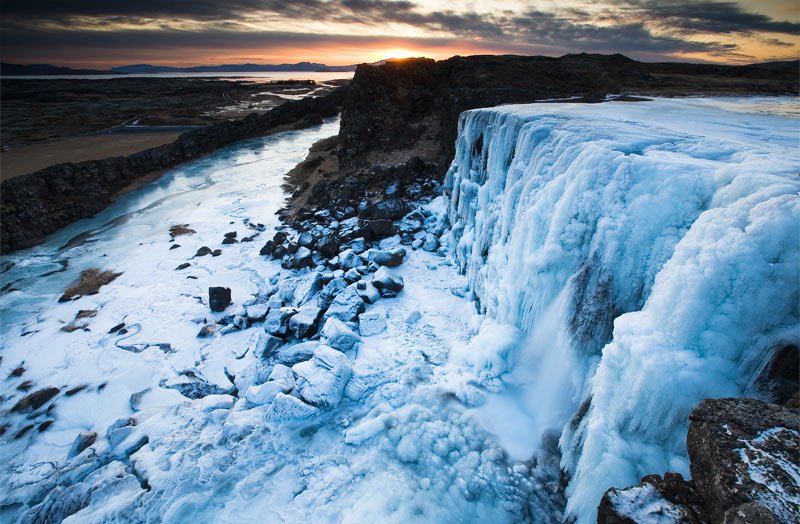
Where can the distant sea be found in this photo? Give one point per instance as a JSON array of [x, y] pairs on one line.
[[245, 76]]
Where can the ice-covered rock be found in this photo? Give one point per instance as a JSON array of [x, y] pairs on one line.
[[265, 393], [339, 335], [212, 402], [387, 283], [81, 442], [298, 290], [329, 292], [277, 321], [368, 292], [290, 355], [304, 323], [264, 345], [282, 373], [286, 408], [387, 257], [372, 323], [321, 380], [346, 306], [412, 316], [257, 312]]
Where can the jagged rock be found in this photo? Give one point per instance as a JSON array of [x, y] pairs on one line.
[[431, 243], [279, 238], [229, 240], [306, 239], [745, 451], [267, 249], [358, 245], [266, 392], [279, 252], [203, 251], [329, 292], [349, 228], [371, 324], [302, 258], [300, 290], [655, 499], [390, 257], [257, 312], [304, 322], [352, 275], [219, 298], [230, 234], [339, 335], [182, 266], [348, 259], [277, 321], [81, 442], [392, 209], [286, 408], [207, 331], [328, 245], [381, 228], [368, 292], [282, 373], [265, 345], [389, 285], [291, 355], [346, 306], [321, 380]]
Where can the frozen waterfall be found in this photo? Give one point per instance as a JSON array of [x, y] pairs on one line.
[[649, 254]]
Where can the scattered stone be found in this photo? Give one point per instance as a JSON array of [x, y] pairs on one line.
[[370, 324], [291, 355], [216, 253], [302, 258], [390, 258], [212, 402], [75, 390], [321, 380], [431, 243], [203, 251], [219, 298], [231, 234], [207, 331], [229, 240], [174, 246], [116, 328], [182, 266], [328, 245], [348, 259], [282, 373], [381, 228], [339, 335], [268, 248], [44, 425], [329, 292], [82, 441], [391, 209], [265, 345], [277, 321], [306, 239], [21, 433], [352, 275]]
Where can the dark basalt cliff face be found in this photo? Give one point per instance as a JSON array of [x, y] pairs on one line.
[[35, 205], [400, 119], [744, 463]]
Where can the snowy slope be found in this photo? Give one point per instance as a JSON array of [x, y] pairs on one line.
[[648, 252]]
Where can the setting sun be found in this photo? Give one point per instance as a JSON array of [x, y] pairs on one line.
[[398, 53]]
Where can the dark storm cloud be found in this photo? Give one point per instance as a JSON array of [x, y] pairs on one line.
[[713, 17]]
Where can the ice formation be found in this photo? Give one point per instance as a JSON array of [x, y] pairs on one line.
[[649, 252]]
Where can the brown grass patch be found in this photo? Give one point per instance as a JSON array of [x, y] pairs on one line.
[[181, 229], [89, 283]]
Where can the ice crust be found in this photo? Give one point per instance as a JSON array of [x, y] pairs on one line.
[[648, 251]]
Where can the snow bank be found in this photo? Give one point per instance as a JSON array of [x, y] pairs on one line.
[[666, 235]]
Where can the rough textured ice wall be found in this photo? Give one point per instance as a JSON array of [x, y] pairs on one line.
[[649, 251]]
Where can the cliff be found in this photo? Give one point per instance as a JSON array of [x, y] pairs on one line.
[[35, 205]]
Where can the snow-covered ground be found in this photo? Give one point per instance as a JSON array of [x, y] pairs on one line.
[[644, 255], [649, 252]]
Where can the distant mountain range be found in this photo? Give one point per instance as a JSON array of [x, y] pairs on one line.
[[46, 69]]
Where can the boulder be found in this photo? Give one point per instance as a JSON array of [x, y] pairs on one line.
[[321, 380], [302, 258], [387, 283], [282, 373], [256, 312], [387, 257], [381, 228], [368, 292], [655, 499], [277, 321], [371, 324], [328, 245], [329, 292], [745, 451], [348, 259], [203, 251], [265, 393], [291, 355], [391, 209], [339, 335], [306, 240], [431, 243], [300, 290], [286, 408], [219, 298], [346, 306], [81, 442], [352, 275], [267, 249], [265, 345], [304, 323]]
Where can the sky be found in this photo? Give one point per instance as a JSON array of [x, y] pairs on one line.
[[84, 33]]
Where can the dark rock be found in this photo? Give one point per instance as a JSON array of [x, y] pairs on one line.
[[389, 257], [745, 451], [247, 239], [381, 228], [268, 248], [302, 258], [231, 234], [304, 323], [216, 253], [82, 441], [306, 240], [174, 246], [328, 245], [207, 331], [329, 292], [219, 298], [277, 321], [392, 209], [780, 379], [279, 238], [346, 306], [203, 251], [386, 283], [292, 248], [279, 252], [35, 400], [116, 328], [229, 240], [182, 266], [654, 499]]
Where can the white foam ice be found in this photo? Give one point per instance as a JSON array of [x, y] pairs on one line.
[[666, 235]]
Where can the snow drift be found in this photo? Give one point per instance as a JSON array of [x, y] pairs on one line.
[[649, 253]]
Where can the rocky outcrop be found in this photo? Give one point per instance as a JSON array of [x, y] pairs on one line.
[[744, 464], [400, 119], [35, 205]]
